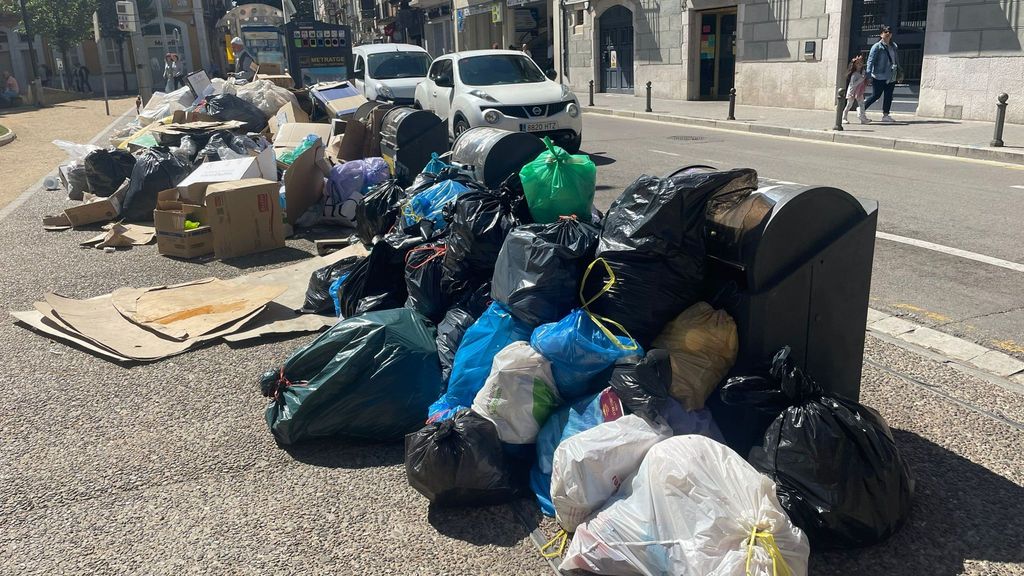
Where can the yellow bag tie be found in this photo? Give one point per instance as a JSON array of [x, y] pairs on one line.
[[561, 537], [767, 541], [600, 321]]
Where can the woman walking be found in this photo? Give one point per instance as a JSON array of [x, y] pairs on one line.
[[882, 68]]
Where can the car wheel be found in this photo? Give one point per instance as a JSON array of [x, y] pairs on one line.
[[573, 146], [416, 104], [461, 125]]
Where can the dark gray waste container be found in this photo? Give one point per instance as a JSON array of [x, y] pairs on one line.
[[490, 155], [793, 266], [408, 137]]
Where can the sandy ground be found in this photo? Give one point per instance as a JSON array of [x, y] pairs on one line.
[[32, 155]]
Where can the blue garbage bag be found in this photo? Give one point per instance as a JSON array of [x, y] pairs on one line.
[[493, 331], [335, 292], [579, 347], [429, 204], [568, 421], [436, 165]]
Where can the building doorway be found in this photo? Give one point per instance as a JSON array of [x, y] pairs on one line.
[[177, 42], [907, 18], [717, 53], [616, 37]]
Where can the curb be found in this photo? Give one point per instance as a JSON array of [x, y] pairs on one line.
[[956, 350], [8, 138], [919, 146]]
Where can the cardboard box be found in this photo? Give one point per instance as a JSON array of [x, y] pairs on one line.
[[287, 114], [262, 166], [304, 182], [246, 217], [292, 134], [281, 80], [98, 210], [269, 69], [169, 221]]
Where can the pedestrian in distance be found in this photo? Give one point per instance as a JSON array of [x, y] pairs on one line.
[[883, 68], [170, 71], [10, 89], [494, 46], [245, 64], [856, 84], [179, 78], [82, 75]]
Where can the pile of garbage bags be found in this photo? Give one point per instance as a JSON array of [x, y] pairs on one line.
[[550, 353]]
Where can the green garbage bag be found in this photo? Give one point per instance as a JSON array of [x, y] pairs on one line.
[[370, 377], [557, 183]]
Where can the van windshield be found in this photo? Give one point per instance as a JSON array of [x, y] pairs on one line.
[[389, 65]]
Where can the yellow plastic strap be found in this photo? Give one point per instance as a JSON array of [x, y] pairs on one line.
[[607, 285], [600, 321], [767, 541], [556, 546]]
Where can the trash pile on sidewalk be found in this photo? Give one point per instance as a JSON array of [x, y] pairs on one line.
[[521, 342]]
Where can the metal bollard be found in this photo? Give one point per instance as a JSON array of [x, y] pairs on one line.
[[648, 97], [732, 104], [591, 93], [997, 138], [840, 106]]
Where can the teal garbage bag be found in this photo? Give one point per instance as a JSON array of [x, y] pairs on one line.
[[557, 183], [370, 377]]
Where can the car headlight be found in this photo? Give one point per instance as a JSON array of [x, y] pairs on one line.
[[482, 95], [572, 109], [385, 91], [492, 116], [567, 93]]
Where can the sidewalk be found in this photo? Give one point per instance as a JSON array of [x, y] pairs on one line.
[[961, 138]]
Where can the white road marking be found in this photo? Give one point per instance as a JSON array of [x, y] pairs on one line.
[[665, 153], [952, 251]]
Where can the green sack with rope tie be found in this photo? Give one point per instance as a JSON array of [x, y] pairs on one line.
[[557, 183]]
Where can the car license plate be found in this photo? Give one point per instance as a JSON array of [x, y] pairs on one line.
[[538, 126]]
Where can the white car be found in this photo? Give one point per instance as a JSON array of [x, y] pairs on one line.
[[389, 72], [503, 89]]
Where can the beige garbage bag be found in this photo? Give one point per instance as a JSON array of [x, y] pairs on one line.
[[702, 343]]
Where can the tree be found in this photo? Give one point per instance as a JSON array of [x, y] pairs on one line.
[[108, 27], [64, 23]]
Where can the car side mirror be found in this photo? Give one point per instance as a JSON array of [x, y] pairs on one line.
[[551, 74]]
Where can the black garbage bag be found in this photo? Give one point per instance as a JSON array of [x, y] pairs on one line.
[[377, 212], [106, 170], [643, 384], [231, 107], [318, 295], [424, 280], [652, 240], [371, 377], [378, 282], [460, 462], [237, 143], [538, 271], [78, 182], [456, 321], [155, 170], [478, 225], [839, 473]]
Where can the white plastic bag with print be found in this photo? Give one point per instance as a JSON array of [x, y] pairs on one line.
[[696, 508], [590, 466], [519, 394]]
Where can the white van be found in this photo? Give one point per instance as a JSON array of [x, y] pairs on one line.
[[389, 72]]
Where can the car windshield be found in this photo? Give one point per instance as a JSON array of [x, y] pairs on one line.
[[388, 65], [499, 69]]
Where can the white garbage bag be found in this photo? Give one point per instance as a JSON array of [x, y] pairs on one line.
[[76, 152], [162, 105], [265, 95], [519, 394], [694, 508], [590, 466]]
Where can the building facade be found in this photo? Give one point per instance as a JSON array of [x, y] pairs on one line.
[[956, 55]]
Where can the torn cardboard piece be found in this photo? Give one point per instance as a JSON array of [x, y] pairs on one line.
[[304, 183], [122, 236], [287, 114], [40, 323]]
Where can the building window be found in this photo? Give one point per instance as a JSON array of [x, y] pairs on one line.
[[577, 21], [111, 55]]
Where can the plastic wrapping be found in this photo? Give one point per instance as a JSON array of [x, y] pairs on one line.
[[456, 321], [230, 107], [424, 280], [459, 462], [537, 274], [370, 377], [703, 343], [378, 282], [377, 212], [580, 347], [318, 293], [106, 170], [643, 383], [557, 183], [155, 170], [490, 334], [589, 467], [225, 140], [75, 152], [841, 476], [694, 507], [346, 185], [652, 241], [519, 394], [478, 225], [265, 96], [429, 204]]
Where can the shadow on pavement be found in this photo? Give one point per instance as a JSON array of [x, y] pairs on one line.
[[276, 257], [962, 511], [481, 526], [600, 159], [350, 454]]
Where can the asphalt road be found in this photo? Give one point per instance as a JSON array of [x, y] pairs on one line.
[[169, 468], [962, 204]]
